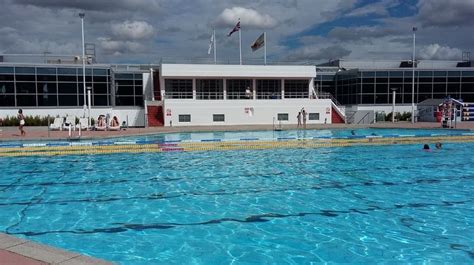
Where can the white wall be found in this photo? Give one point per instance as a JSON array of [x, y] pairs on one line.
[[221, 71], [234, 110], [379, 108], [135, 115], [147, 86]]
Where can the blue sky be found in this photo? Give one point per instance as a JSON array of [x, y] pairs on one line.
[[144, 31]]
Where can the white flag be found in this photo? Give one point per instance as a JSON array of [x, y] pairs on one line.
[[211, 43]]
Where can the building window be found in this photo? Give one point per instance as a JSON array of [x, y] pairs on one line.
[[179, 88], [313, 117], [268, 89], [209, 89], [218, 117], [283, 116], [184, 118], [296, 88], [128, 88], [237, 88]]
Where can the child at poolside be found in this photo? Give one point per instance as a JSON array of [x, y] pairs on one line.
[[21, 117]]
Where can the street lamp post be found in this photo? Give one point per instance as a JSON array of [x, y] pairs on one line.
[[82, 15], [89, 122], [413, 62], [393, 103]]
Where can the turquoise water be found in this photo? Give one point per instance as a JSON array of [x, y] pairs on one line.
[[360, 204], [288, 134]]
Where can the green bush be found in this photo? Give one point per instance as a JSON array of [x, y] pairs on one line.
[[29, 121], [405, 116]]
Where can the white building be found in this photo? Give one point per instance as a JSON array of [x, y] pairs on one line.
[[167, 94], [239, 94]]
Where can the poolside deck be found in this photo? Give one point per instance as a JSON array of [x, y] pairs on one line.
[[18, 251], [42, 133]]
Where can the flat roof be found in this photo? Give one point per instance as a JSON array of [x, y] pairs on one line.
[[219, 70]]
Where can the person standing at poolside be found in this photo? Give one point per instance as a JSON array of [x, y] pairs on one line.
[[303, 113], [299, 119], [21, 118]]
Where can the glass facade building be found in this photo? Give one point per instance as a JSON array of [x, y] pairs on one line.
[[62, 86], [357, 86]]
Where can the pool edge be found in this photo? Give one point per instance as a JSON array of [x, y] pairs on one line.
[[31, 252]]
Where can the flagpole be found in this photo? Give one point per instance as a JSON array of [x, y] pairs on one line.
[[240, 42], [265, 48], [215, 53]]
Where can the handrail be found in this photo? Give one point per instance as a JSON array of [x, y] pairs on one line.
[[363, 118], [349, 118], [329, 96]]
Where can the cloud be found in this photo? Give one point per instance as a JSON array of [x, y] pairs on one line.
[[358, 33], [378, 8], [341, 7], [316, 53], [134, 30], [248, 17], [438, 52], [445, 13], [95, 5], [117, 47]]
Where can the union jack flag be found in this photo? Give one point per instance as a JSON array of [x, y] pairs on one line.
[[235, 29]]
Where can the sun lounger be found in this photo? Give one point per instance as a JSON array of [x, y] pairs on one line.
[[70, 122], [57, 124], [100, 128], [82, 123], [114, 128]]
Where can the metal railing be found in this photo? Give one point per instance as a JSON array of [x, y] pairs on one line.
[[239, 95], [350, 116], [178, 95], [209, 95], [234, 95], [328, 96], [296, 95], [364, 118], [268, 95]]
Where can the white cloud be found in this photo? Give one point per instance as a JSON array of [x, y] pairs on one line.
[[248, 17], [378, 8], [134, 30], [117, 47], [446, 13], [438, 52], [318, 53]]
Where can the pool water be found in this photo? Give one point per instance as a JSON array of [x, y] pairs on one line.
[[360, 204], [237, 135]]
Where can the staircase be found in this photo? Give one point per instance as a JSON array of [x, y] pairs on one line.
[[336, 115], [154, 107], [155, 116], [468, 112]]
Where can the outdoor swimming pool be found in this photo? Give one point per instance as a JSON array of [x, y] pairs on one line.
[[358, 204], [336, 133]]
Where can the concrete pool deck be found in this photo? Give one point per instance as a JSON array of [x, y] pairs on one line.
[[18, 251], [42, 133]]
